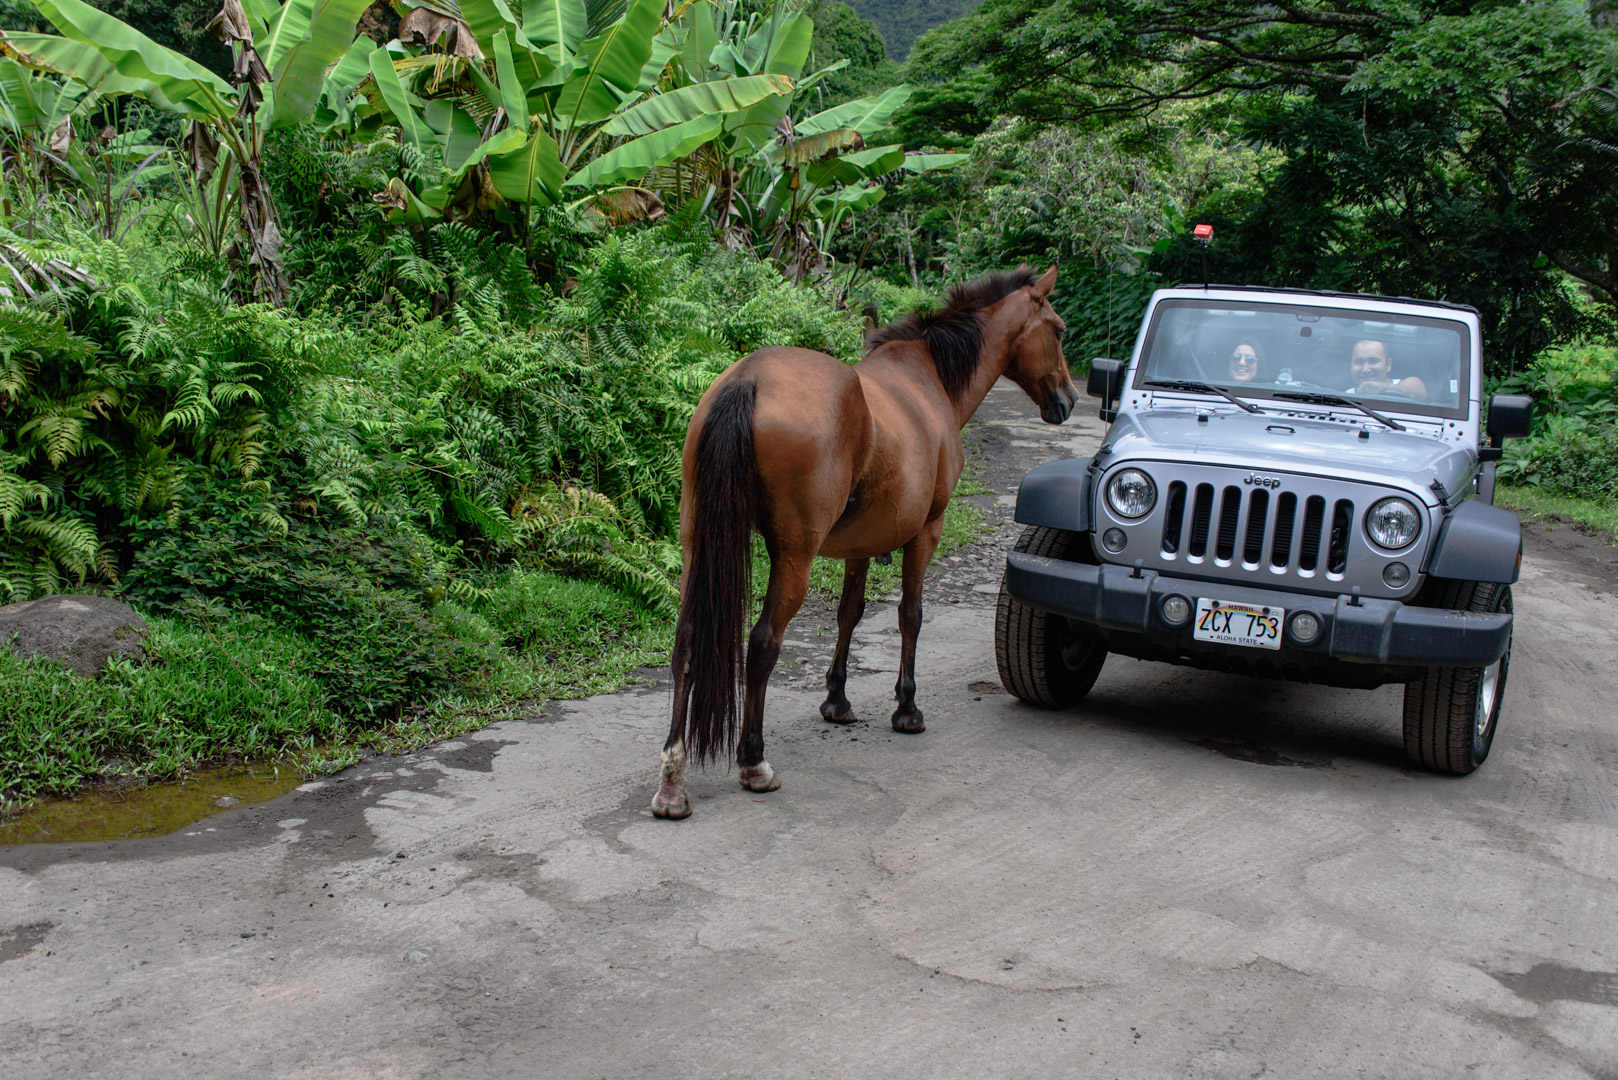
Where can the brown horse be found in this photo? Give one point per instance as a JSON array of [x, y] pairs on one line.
[[854, 462]]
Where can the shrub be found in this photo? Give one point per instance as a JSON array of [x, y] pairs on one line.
[[1574, 449]]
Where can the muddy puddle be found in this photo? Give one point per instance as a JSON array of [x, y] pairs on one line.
[[156, 809]]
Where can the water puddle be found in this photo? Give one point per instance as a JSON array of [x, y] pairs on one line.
[[127, 813]]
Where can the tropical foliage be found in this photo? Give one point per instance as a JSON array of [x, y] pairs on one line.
[[1412, 149]]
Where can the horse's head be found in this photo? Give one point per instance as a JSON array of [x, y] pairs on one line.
[[1036, 362]]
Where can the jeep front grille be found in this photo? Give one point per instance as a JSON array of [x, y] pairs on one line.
[[1236, 530]]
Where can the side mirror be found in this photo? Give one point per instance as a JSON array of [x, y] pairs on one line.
[[1104, 379], [1510, 417], [1106, 382]]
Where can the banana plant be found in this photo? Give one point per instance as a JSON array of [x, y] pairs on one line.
[[541, 110], [779, 184], [280, 78]]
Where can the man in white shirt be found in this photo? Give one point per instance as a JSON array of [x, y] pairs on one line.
[[1373, 374]]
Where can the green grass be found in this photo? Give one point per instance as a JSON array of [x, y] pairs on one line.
[[227, 687], [242, 689], [1536, 503]]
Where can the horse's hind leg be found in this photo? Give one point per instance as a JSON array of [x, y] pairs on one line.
[[849, 610], [671, 800], [789, 583], [918, 553]]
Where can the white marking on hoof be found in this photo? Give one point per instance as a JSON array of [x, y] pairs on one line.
[[671, 800], [759, 777]]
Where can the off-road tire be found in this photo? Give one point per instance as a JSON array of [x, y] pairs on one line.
[[1446, 727], [1046, 659]]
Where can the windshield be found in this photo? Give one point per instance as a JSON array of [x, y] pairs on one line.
[[1393, 363]]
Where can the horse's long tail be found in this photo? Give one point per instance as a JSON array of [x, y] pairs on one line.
[[708, 637]]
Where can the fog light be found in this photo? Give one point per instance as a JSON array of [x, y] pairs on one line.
[[1114, 539], [1305, 627], [1396, 574], [1176, 610]]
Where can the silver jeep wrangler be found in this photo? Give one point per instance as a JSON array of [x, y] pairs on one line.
[[1292, 487]]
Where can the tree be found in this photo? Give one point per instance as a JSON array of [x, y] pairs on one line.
[[1427, 148]]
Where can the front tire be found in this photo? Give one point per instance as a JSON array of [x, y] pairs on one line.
[[1451, 713], [1046, 659]]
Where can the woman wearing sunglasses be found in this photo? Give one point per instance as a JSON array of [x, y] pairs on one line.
[[1245, 361]]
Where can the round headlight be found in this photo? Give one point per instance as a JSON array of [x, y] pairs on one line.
[[1393, 523], [1131, 493]]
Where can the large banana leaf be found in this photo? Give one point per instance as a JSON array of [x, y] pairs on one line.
[[181, 82], [504, 141], [85, 63], [664, 46], [851, 168], [399, 102], [532, 173], [699, 99], [612, 59], [555, 22], [878, 160], [350, 71], [810, 81], [463, 138], [775, 49], [780, 47], [811, 147], [867, 116], [850, 200], [286, 28], [640, 156], [920, 163], [486, 18], [259, 15], [23, 93], [301, 77], [701, 36], [512, 98]]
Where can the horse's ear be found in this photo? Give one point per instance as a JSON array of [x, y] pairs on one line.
[[1046, 282]]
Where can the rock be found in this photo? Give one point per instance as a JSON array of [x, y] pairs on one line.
[[79, 632], [225, 802]]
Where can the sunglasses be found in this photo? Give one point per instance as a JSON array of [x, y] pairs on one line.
[[1243, 358]]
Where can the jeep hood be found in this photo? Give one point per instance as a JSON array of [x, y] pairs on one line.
[[1270, 442]]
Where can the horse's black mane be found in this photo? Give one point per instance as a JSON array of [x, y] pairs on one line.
[[954, 332]]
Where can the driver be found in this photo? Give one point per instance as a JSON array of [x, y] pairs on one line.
[[1372, 371]]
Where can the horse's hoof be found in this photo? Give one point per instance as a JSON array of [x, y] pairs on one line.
[[908, 722], [837, 712], [758, 777], [670, 808]]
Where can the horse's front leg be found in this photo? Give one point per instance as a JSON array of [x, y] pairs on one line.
[[918, 554], [849, 609], [789, 584]]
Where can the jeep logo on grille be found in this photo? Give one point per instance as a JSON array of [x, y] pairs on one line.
[[1262, 481]]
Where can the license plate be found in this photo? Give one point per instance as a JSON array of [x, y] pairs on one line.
[[1230, 623]]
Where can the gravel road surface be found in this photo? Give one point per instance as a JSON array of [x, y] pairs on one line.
[[1190, 875]]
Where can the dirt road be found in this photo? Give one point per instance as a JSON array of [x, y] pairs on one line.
[[1192, 875]]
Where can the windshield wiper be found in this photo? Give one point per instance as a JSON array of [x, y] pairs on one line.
[[1338, 399], [1201, 388]]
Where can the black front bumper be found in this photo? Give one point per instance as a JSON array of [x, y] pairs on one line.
[[1362, 642]]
